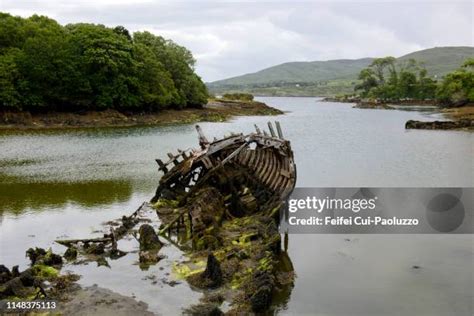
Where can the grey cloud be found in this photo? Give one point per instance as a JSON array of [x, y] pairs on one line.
[[231, 38]]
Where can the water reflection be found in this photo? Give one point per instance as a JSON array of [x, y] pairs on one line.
[[86, 177], [18, 197]]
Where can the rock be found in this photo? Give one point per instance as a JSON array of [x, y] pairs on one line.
[[101, 261], [213, 272], [39, 255], [52, 259], [71, 253], [443, 125], [149, 257], [5, 274], [262, 297], [27, 277], [14, 287], [128, 222], [116, 253], [95, 249], [35, 254], [203, 309], [15, 271], [148, 238]]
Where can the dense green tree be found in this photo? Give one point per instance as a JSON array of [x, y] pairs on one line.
[[457, 87], [46, 66], [426, 86], [9, 79], [368, 81], [388, 80]]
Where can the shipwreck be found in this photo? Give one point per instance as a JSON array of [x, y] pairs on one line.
[[220, 204]]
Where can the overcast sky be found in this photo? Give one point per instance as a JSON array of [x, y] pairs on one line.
[[232, 38]]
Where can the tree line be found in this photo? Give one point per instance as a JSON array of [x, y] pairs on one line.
[[46, 66], [387, 79]]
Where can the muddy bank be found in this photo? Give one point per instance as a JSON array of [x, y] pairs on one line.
[[214, 111], [45, 278], [460, 113], [94, 300]]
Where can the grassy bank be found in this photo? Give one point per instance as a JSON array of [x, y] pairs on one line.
[[462, 113], [213, 111]]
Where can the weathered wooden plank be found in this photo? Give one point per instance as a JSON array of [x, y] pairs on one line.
[[276, 173], [234, 153], [262, 167], [257, 129], [272, 131], [69, 242], [280, 133], [273, 169], [162, 166], [281, 179], [269, 166], [203, 142]]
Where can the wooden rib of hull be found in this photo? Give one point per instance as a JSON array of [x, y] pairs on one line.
[[266, 157]]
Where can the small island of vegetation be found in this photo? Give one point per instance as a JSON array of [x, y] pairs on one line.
[[92, 75], [386, 82]]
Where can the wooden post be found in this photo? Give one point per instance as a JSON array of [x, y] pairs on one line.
[[257, 129], [203, 142], [161, 165], [280, 133], [272, 131]]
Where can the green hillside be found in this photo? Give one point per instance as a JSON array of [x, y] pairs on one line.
[[441, 60], [302, 72], [328, 78]]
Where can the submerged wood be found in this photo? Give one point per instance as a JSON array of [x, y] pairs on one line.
[[127, 223]]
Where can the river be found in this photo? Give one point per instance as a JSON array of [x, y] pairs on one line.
[[65, 183]]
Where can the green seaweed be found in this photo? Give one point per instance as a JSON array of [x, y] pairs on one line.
[[166, 203], [45, 272]]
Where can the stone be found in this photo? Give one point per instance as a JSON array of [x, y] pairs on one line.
[[213, 272], [71, 253], [96, 249], [148, 238], [5, 274]]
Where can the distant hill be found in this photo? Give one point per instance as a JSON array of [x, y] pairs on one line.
[[302, 72], [333, 76], [441, 60]]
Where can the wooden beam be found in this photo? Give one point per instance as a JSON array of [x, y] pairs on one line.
[[272, 131], [280, 133]]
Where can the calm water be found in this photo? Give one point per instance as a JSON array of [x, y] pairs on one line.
[[60, 184]]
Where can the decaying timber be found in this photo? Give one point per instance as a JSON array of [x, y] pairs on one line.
[[266, 159], [221, 203]]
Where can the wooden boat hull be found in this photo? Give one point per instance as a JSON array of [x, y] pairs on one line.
[[267, 159]]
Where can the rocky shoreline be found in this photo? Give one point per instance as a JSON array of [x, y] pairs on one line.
[[442, 125], [213, 111], [370, 103], [461, 118]]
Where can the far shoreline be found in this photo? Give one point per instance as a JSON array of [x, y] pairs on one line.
[[214, 111]]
